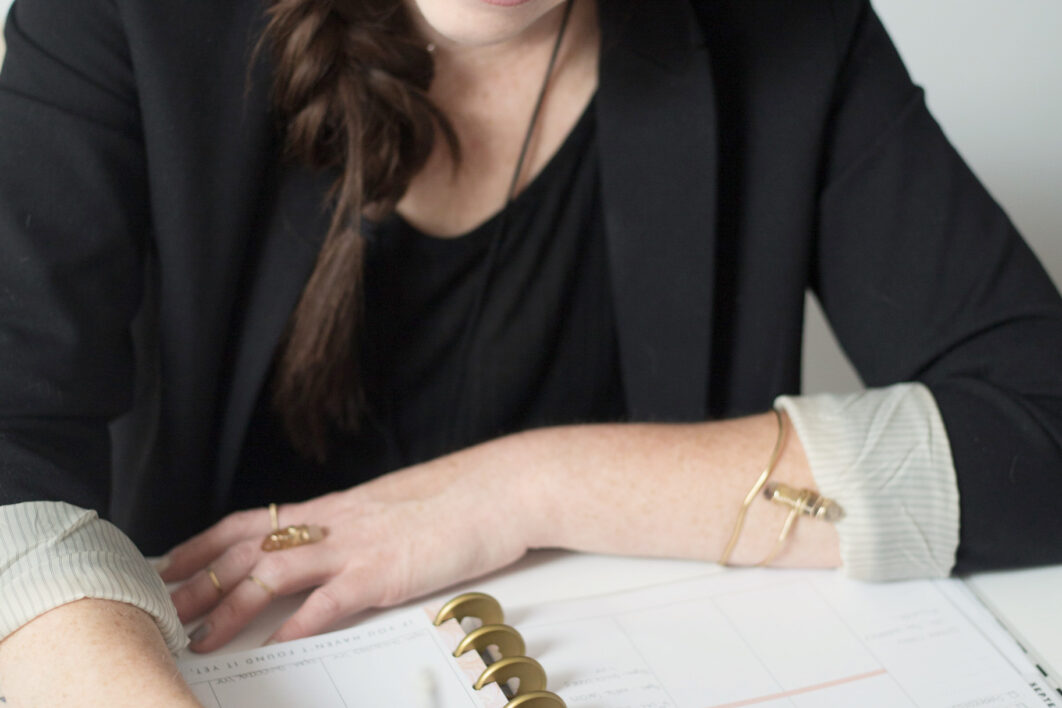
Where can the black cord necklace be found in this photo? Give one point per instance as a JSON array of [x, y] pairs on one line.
[[461, 432]]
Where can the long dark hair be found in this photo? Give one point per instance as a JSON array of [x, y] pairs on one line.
[[351, 89]]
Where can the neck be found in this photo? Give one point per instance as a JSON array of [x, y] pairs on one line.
[[488, 93], [464, 71]]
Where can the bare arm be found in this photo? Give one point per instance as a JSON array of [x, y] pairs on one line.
[[657, 490], [91, 652], [670, 490]]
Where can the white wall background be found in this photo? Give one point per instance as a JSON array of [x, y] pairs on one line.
[[5, 5], [993, 74]]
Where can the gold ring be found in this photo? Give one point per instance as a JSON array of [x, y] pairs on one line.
[[292, 536], [273, 517], [214, 580], [262, 584]]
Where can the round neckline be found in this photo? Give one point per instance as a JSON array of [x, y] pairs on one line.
[[396, 225]]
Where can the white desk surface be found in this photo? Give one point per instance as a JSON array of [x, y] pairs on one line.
[[1028, 602]]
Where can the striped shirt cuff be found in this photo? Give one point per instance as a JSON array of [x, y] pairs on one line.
[[54, 553], [883, 454]]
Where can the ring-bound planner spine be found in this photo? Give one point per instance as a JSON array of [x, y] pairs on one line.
[[509, 660]]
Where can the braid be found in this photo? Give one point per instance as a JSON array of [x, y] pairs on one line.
[[351, 88]]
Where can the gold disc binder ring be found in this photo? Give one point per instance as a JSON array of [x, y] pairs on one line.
[[507, 639], [537, 699], [529, 672], [531, 690], [471, 604]]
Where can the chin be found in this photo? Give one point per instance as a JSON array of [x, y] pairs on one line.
[[480, 22]]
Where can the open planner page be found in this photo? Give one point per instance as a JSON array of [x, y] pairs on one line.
[[780, 638], [400, 659], [743, 638]]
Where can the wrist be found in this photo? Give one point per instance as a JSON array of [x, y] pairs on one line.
[[524, 471], [559, 469]]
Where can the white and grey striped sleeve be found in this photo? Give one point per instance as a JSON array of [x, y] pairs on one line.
[[884, 455], [52, 553]]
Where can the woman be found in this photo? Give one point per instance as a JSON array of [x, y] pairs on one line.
[[640, 264]]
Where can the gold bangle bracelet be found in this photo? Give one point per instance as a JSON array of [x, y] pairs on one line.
[[779, 542], [756, 488]]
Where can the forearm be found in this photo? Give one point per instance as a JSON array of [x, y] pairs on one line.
[[665, 490], [634, 489], [91, 652]]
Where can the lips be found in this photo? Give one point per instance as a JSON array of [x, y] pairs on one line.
[[507, 3]]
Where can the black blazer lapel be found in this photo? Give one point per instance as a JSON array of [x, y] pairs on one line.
[[657, 123], [285, 258], [656, 119]]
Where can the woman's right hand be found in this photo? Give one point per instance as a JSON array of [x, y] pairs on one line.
[[395, 538]]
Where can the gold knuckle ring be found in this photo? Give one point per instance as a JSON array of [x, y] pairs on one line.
[[292, 536], [263, 584], [214, 580]]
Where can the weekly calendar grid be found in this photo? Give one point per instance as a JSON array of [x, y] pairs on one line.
[[756, 638]]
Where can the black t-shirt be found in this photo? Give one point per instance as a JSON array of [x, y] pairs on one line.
[[541, 350]]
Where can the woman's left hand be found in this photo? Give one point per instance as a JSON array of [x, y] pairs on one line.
[[400, 536]]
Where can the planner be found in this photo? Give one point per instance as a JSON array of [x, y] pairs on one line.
[[743, 638]]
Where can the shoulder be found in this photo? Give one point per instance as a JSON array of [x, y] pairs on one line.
[[90, 35], [808, 56], [777, 27], [117, 60]]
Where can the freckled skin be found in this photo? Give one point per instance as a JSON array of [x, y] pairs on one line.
[[670, 490]]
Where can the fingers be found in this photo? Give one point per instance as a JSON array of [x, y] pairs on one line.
[[326, 606], [280, 573], [199, 594], [233, 613], [196, 553]]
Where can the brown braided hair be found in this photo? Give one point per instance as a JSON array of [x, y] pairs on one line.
[[350, 87]]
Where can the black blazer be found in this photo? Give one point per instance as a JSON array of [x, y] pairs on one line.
[[152, 245]]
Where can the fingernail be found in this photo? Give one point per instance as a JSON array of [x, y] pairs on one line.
[[269, 641], [201, 633], [161, 564]]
